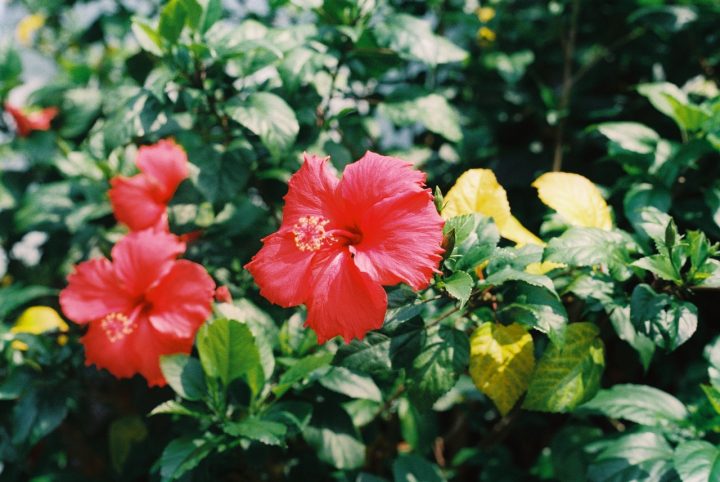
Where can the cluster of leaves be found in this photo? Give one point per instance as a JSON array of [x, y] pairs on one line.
[[465, 380]]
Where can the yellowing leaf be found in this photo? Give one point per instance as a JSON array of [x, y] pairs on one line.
[[502, 362], [28, 26], [544, 267], [477, 191], [576, 199], [39, 319], [36, 320], [515, 231], [485, 14], [569, 374]]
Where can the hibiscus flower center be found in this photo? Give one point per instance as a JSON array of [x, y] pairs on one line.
[[310, 234], [117, 326]]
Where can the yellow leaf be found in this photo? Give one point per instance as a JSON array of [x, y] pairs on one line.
[[514, 231], [501, 362], [485, 14], [27, 27], [486, 34], [477, 191], [543, 268], [39, 319], [576, 199], [36, 320]]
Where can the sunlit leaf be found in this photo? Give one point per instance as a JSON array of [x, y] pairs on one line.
[[577, 200], [501, 362], [477, 191]]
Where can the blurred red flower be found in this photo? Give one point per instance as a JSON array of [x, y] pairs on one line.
[[31, 120], [140, 202], [222, 294], [341, 240], [142, 304]]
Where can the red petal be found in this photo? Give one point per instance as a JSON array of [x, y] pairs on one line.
[[344, 300], [40, 121], [281, 270], [166, 163], [143, 257], [374, 178], [401, 240], [182, 299], [117, 357], [150, 345], [311, 192], [135, 202], [93, 291]]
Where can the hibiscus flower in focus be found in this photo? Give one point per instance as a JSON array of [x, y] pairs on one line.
[[140, 202], [341, 240], [27, 121], [143, 304]]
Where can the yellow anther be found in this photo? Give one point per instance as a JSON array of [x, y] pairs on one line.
[[117, 326]]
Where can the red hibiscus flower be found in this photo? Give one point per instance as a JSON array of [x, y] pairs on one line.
[[341, 240], [140, 201], [142, 304], [28, 121]]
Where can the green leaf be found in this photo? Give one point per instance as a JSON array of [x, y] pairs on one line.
[[194, 12], [173, 407], [253, 428], [211, 12], [413, 39], [712, 355], [713, 396], [432, 111], [184, 374], [620, 319], [413, 468], [630, 136], [568, 375], [267, 116], [459, 285], [172, 20], [667, 322], [354, 385], [36, 414], [147, 36], [262, 327], [659, 95], [509, 274], [640, 404], [16, 295], [418, 428], [124, 433], [444, 355], [568, 452], [697, 461], [654, 224], [638, 457], [228, 351], [184, 454], [641, 196], [592, 247], [536, 307], [661, 266], [300, 370], [334, 439], [290, 413], [476, 239]]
